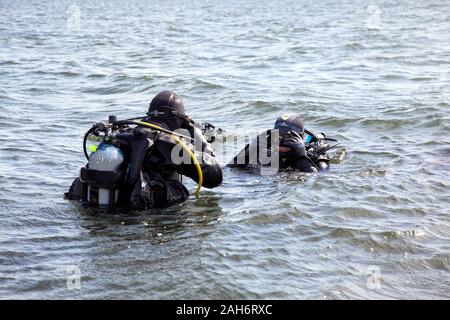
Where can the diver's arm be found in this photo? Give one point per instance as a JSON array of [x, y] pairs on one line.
[[300, 159], [212, 172]]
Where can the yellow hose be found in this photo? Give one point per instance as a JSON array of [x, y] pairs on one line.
[[185, 147]]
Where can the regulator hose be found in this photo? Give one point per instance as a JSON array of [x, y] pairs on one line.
[[85, 140], [183, 145]]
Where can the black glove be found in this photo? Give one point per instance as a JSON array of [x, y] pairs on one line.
[[295, 142]]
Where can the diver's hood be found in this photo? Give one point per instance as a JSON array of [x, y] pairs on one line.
[[168, 109], [287, 123]]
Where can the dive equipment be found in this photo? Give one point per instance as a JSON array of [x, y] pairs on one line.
[[102, 177], [210, 131], [316, 146], [106, 169]]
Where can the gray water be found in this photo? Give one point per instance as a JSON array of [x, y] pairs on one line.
[[375, 75]]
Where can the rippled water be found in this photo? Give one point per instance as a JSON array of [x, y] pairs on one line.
[[376, 75]]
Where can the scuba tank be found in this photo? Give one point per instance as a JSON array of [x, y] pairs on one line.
[[113, 174], [102, 177]]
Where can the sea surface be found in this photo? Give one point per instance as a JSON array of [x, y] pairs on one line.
[[373, 74]]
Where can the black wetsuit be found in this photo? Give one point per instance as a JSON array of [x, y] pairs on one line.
[[305, 161], [153, 180], [300, 163]]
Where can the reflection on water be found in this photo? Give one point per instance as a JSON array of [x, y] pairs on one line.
[[156, 225]]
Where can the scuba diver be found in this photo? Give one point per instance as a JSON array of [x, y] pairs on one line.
[[297, 148], [140, 162]]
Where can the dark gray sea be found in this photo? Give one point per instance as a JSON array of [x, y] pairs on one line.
[[373, 74]]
